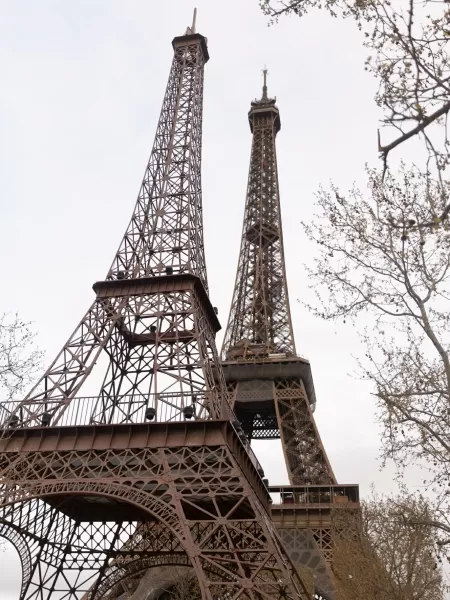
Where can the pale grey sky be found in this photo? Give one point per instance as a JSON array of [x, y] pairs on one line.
[[81, 88]]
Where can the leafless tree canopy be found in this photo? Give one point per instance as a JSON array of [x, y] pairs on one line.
[[407, 41], [186, 588], [379, 557], [375, 260], [19, 357]]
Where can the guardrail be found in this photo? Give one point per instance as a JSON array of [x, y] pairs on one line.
[[263, 357], [317, 495], [98, 410], [101, 410]]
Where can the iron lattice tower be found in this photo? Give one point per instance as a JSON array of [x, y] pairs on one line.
[[260, 314], [272, 388], [151, 471]]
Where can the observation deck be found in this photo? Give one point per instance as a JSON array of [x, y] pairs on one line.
[[310, 506], [253, 371], [118, 445]]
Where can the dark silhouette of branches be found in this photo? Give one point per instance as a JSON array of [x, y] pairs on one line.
[[19, 357]]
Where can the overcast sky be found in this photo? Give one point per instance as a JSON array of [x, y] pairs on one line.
[[81, 88]]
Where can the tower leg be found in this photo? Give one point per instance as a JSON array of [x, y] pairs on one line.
[[306, 459], [72, 366], [63, 558]]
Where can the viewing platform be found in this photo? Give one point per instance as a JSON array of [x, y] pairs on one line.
[[310, 506]]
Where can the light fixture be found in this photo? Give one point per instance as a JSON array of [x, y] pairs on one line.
[[150, 413], [188, 412], [46, 419]]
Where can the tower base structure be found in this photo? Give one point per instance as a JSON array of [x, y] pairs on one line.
[[73, 498]]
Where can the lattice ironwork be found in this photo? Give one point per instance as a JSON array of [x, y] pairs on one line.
[[260, 314], [271, 388], [303, 449], [266, 380], [304, 549], [152, 472], [258, 351], [152, 316], [76, 497]]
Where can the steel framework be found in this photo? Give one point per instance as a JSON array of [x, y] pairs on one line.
[[260, 313], [272, 388], [154, 471]]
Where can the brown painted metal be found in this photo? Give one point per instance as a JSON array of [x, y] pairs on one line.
[[156, 287], [90, 494], [272, 389], [70, 488], [302, 516], [260, 315]]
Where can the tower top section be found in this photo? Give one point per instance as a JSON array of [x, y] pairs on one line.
[[260, 320], [190, 36], [265, 108]]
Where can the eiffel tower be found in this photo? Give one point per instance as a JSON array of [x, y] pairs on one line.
[[156, 454], [271, 387]]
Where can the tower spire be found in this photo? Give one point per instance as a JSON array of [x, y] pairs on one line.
[[260, 313], [264, 94], [191, 30]]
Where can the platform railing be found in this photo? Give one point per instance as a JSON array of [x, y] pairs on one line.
[[166, 407], [264, 357], [101, 410], [318, 496]]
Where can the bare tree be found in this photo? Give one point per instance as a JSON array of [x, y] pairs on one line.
[[19, 357], [407, 41], [379, 557], [374, 261]]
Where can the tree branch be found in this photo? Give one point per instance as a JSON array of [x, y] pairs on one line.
[[384, 150]]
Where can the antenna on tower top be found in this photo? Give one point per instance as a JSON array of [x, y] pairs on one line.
[[264, 96], [191, 30]]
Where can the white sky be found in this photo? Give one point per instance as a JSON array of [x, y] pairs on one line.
[[81, 85]]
